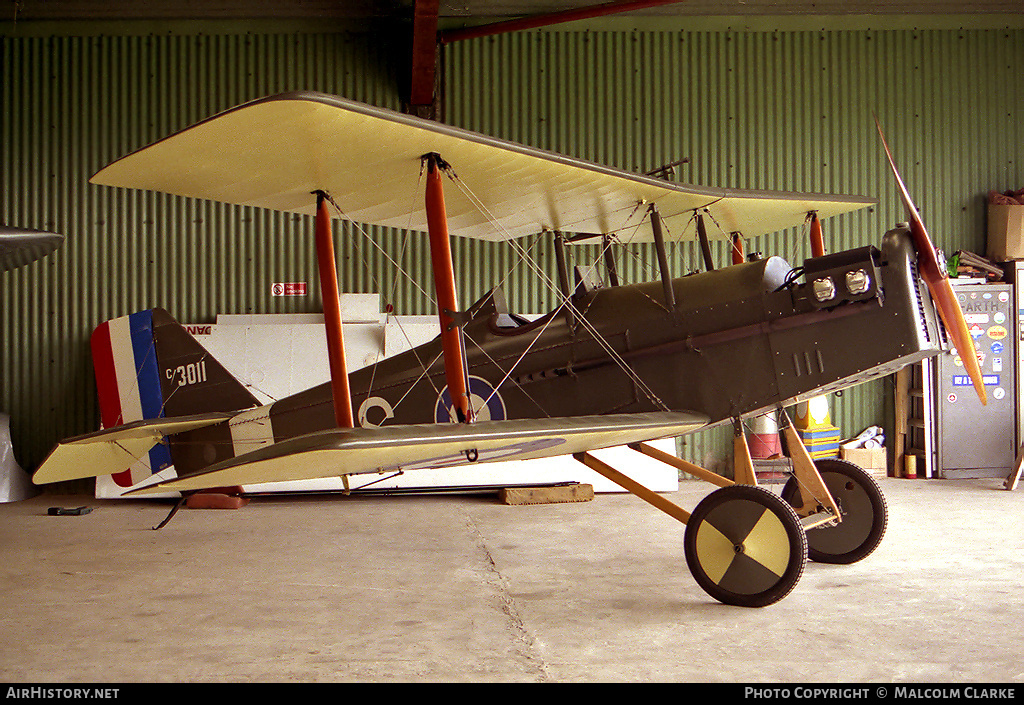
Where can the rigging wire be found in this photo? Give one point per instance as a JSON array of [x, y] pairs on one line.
[[508, 374], [566, 301], [425, 369]]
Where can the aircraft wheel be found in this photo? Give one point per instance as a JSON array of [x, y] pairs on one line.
[[745, 546], [862, 509]]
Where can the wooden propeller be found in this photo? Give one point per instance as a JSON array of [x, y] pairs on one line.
[[937, 279]]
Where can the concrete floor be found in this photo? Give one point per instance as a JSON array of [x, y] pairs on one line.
[[463, 588]]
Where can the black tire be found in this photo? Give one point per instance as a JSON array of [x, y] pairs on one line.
[[745, 546], [862, 509]]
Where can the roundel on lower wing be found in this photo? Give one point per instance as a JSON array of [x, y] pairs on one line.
[[485, 401]]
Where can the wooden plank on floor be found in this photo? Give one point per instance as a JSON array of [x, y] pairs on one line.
[[547, 494]]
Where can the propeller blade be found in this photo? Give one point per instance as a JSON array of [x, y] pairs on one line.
[[937, 279]]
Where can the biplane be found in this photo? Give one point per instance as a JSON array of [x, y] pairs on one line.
[[612, 365]]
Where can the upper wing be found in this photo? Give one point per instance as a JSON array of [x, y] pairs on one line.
[[352, 451], [19, 246], [274, 152]]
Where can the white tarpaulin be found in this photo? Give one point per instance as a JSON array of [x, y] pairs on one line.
[[14, 482]]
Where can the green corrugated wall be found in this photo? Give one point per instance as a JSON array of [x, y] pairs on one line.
[[751, 109]]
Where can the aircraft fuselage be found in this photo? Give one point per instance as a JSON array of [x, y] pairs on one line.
[[738, 341]]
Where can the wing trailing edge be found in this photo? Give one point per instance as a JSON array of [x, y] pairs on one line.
[[354, 451]]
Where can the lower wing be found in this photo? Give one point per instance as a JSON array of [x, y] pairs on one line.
[[351, 451]]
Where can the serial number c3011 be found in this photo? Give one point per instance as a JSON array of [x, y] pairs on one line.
[[194, 373]]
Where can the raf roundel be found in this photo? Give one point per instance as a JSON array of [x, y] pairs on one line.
[[485, 401]]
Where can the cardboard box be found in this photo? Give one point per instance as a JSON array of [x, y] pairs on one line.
[[874, 460], [1005, 232]]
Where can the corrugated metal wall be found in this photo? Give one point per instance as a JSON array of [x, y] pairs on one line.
[[789, 110], [779, 110], [71, 104]]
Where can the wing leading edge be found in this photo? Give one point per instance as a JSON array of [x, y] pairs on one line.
[[389, 448], [369, 159]]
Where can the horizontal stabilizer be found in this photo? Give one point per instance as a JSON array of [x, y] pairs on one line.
[[350, 451], [113, 450]]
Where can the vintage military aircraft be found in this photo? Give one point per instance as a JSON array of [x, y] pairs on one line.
[[611, 365]]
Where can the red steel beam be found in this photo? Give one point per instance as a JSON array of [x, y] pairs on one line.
[[584, 13], [424, 52]]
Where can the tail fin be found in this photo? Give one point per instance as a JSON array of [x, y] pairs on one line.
[[147, 367]]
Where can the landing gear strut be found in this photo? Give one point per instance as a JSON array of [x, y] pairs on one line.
[[862, 511], [748, 546]]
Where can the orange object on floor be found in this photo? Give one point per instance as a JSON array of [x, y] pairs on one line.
[[219, 498]]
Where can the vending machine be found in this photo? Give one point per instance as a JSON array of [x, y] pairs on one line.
[[975, 440]]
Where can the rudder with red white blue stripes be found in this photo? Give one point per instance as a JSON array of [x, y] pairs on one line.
[[128, 384]]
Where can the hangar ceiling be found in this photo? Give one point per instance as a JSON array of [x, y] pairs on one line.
[[225, 9], [438, 22]]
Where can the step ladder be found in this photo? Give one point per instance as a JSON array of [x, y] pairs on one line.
[[914, 444]]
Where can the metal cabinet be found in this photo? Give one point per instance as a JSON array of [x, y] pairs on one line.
[[974, 440]]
